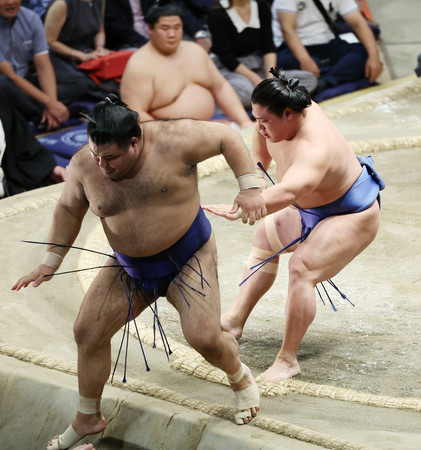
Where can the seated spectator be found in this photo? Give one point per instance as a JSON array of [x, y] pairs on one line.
[[305, 41], [125, 26], [343, 26], [75, 33], [172, 78], [22, 38], [243, 47], [24, 163]]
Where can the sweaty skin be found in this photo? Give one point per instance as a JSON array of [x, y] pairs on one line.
[[146, 197], [314, 166]]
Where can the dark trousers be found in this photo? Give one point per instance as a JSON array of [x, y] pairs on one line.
[[73, 83], [27, 106], [339, 62], [26, 163]]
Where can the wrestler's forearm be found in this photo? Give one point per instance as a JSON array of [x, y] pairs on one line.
[[277, 198], [237, 156], [260, 152], [64, 230]]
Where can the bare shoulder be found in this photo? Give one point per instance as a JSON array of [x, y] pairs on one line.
[[138, 61], [188, 133], [80, 162], [166, 128], [58, 7], [191, 50]]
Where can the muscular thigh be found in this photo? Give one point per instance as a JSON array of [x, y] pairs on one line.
[[104, 309], [334, 243], [198, 312]]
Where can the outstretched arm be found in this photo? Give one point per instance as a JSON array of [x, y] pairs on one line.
[[259, 155], [217, 139], [67, 220]]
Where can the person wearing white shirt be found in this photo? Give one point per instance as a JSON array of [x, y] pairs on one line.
[[304, 41]]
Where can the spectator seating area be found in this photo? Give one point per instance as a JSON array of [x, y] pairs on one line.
[[64, 142]]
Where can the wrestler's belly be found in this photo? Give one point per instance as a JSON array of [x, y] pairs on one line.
[[148, 231], [194, 102]]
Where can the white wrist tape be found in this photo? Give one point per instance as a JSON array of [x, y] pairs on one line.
[[248, 181], [52, 259], [261, 173]]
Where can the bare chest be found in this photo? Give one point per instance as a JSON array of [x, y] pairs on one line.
[[169, 90], [153, 184]]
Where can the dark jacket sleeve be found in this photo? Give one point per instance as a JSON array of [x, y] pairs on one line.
[[195, 14], [118, 24], [222, 31], [26, 163]]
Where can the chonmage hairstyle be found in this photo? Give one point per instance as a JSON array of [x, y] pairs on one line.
[[279, 93], [112, 121], [162, 8]]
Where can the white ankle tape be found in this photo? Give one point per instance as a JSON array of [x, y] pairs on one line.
[[88, 405], [238, 376]]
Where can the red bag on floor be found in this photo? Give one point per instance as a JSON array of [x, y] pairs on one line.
[[109, 67]]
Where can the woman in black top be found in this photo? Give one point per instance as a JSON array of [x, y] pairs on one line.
[[243, 48]]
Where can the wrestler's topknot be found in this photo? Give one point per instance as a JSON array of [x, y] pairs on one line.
[[279, 92], [111, 120]]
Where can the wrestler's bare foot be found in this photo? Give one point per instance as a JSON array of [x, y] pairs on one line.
[[84, 447], [83, 425], [231, 324], [281, 369], [246, 396]]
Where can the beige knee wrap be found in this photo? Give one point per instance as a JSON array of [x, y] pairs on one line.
[[89, 405], [272, 234], [257, 255]]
